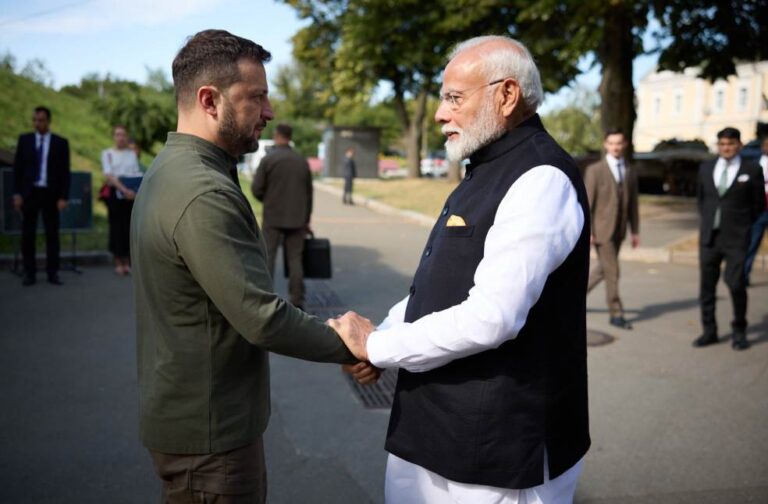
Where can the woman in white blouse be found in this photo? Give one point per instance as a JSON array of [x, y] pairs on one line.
[[120, 162]]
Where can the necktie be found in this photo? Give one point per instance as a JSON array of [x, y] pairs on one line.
[[722, 187], [620, 171], [39, 165]]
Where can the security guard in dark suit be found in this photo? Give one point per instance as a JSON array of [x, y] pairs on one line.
[[41, 185], [730, 198]]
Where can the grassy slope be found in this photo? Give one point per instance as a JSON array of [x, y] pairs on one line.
[[87, 131]]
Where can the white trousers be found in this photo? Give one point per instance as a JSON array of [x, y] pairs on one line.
[[407, 483]]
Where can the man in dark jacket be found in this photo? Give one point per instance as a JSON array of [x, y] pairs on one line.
[[349, 172], [41, 185], [283, 183], [730, 198]]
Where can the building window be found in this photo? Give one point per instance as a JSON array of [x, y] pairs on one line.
[[656, 105], [678, 103], [719, 99], [742, 99]]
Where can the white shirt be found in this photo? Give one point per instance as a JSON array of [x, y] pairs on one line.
[[764, 165], [536, 227], [619, 172], [732, 166], [46, 140], [120, 163]]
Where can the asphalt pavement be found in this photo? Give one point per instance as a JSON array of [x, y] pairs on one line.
[[669, 423]]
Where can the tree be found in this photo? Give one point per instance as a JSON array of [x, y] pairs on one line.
[[355, 44], [36, 71], [576, 125], [148, 112], [689, 34]]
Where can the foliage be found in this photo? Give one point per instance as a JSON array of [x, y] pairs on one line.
[[72, 117], [36, 71], [576, 125], [688, 34], [355, 44], [674, 143], [148, 112]]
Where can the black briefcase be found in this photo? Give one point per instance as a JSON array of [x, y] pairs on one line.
[[316, 258]]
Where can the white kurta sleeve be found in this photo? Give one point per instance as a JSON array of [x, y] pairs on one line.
[[536, 227]]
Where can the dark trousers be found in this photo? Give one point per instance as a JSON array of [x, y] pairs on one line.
[[347, 197], [238, 476], [40, 200], [119, 211], [758, 229], [292, 240], [710, 257], [607, 269]]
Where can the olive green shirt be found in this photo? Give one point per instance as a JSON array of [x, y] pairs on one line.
[[206, 313]]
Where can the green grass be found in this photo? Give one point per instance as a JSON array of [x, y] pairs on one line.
[[88, 134], [424, 195]]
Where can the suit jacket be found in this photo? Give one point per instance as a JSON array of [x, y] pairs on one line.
[[25, 166], [349, 170], [606, 215], [283, 183], [740, 206]]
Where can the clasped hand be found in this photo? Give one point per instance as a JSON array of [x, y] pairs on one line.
[[353, 330]]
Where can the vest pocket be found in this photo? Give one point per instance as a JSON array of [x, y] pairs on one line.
[[457, 231]]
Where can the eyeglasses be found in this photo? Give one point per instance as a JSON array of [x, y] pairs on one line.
[[456, 98]]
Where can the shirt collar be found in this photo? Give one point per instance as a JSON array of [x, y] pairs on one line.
[[613, 161], [223, 158], [735, 161]]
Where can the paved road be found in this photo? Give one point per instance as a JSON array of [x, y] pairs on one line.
[[670, 423]]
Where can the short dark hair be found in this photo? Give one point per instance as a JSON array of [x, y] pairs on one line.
[[44, 110], [211, 57], [284, 131], [729, 132], [614, 131]]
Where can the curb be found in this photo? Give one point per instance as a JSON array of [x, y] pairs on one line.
[[649, 255], [86, 258]]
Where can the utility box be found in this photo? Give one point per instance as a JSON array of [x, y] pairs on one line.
[[365, 141]]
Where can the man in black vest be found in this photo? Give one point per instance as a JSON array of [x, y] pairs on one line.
[[730, 199], [41, 185], [491, 399]]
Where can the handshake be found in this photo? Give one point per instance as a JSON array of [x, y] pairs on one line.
[[353, 330]]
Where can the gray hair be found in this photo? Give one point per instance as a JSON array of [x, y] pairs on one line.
[[510, 60]]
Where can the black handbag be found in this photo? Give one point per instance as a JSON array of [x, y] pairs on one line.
[[316, 258]]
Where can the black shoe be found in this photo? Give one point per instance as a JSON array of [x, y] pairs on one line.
[[28, 280], [620, 322], [705, 340], [739, 341], [54, 280]]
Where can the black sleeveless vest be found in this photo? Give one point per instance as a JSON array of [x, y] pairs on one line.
[[486, 419]]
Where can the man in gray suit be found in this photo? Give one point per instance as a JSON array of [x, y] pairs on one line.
[[612, 192], [283, 183]]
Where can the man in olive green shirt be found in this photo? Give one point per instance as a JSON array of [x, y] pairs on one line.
[[206, 313]]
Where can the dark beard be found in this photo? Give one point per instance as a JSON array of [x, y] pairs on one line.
[[237, 140]]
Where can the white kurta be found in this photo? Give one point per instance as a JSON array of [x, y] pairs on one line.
[[536, 227]]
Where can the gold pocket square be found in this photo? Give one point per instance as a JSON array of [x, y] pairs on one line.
[[455, 221]]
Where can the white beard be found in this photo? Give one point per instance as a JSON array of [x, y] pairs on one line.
[[486, 128]]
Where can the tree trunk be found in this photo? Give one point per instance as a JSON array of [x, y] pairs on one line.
[[454, 171], [616, 54]]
